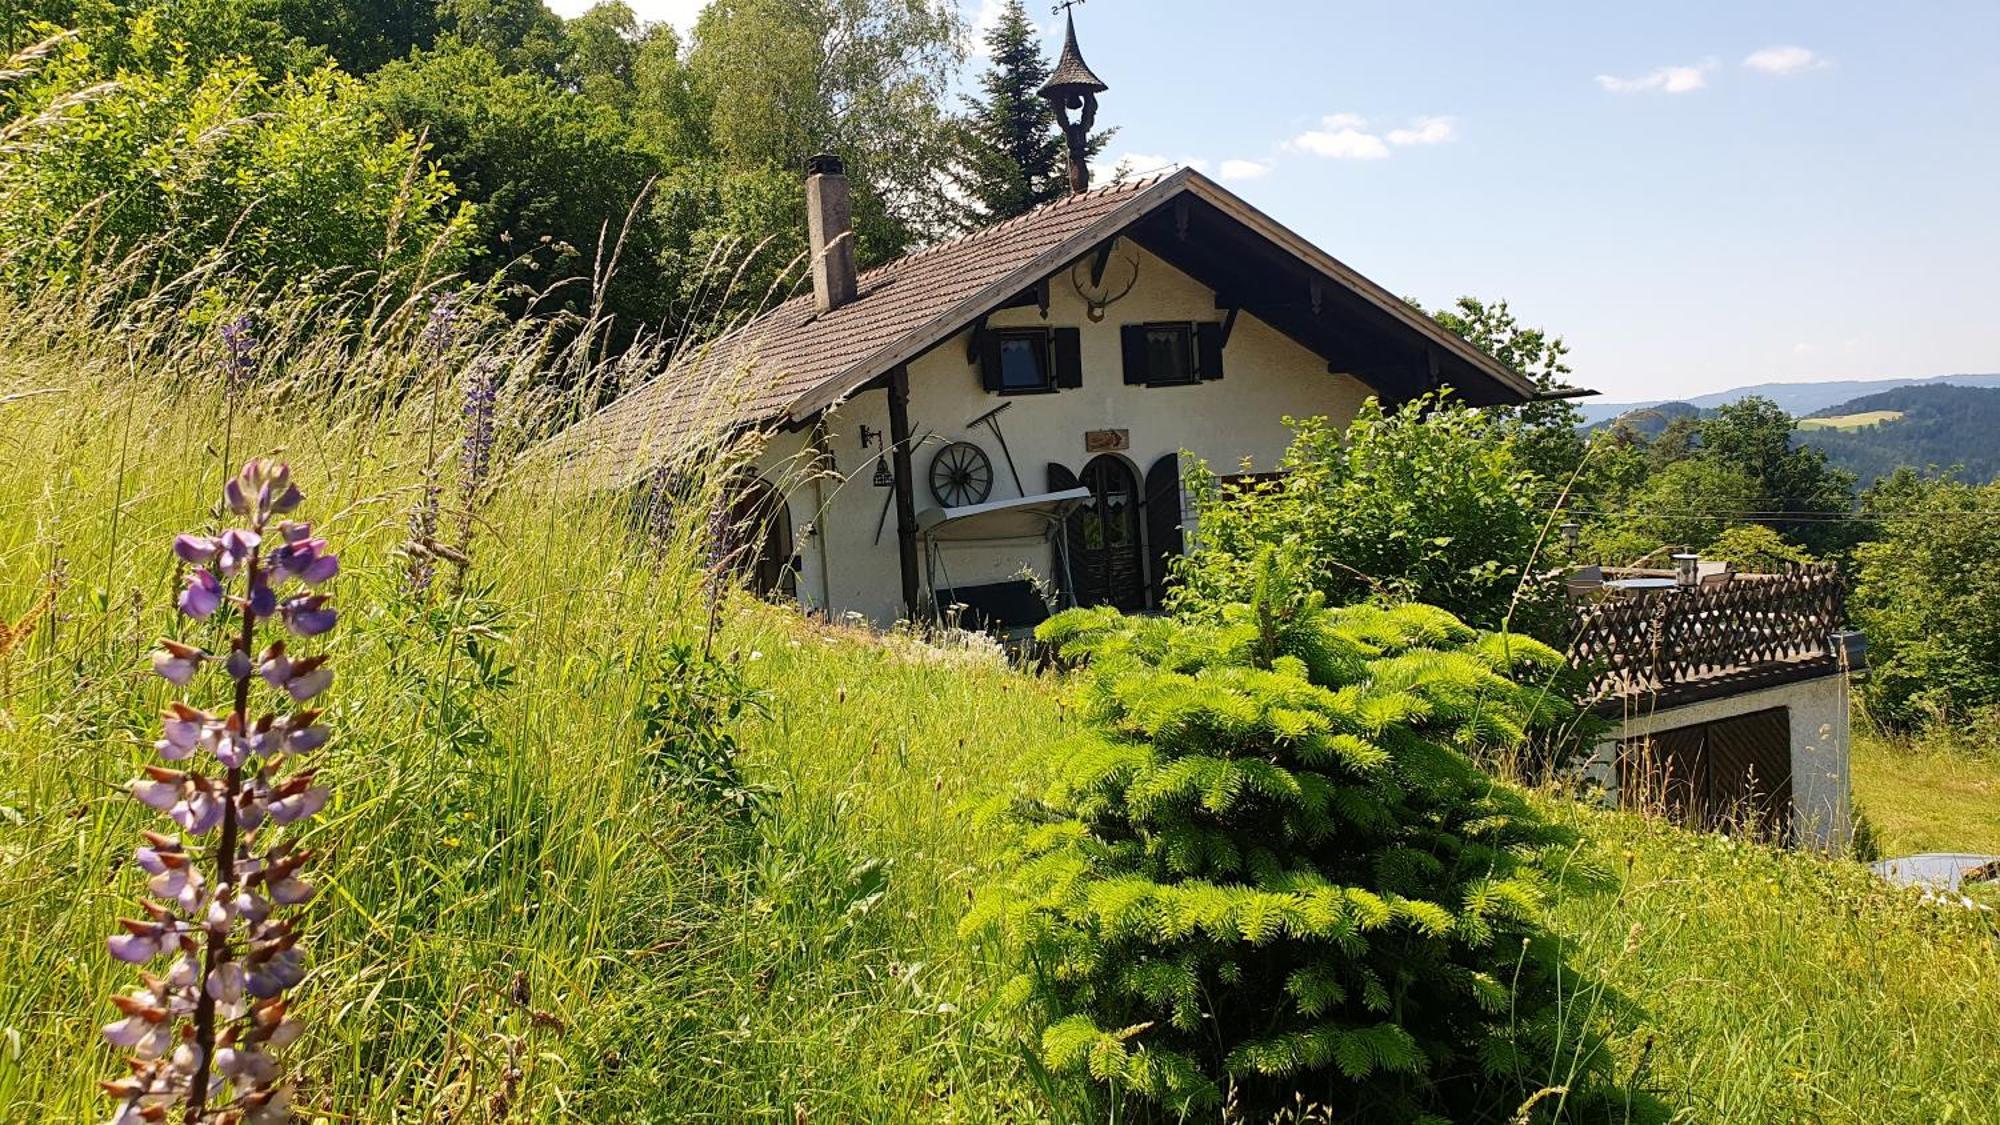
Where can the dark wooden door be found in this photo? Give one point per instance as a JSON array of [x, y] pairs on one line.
[[756, 539], [1164, 540], [1733, 773], [1104, 537]]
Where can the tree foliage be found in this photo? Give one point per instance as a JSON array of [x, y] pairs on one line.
[[1794, 482], [292, 181], [1929, 602], [1267, 864], [555, 176], [1429, 503], [362, 35], [1010, 157], [783, 80], [1548, 433]]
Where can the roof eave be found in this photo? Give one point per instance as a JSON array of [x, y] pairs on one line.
[[1143, 202], [1234, 206]]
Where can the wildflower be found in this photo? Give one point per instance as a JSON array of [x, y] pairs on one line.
[[176, 663], [203, 595], [240, 343], [475, 458], [195, 549], [307, 616], [200, 1036], [441, 325]]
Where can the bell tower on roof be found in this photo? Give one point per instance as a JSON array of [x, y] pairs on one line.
[[1073, 89]]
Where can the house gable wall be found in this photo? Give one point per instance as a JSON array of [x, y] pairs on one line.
[[850, 564]]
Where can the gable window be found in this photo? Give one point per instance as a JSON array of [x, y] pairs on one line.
[[1029, 360], [1169, 354], [1024, 361], [1174, 354]]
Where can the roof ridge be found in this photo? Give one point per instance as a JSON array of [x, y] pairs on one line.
[[1121, 186]]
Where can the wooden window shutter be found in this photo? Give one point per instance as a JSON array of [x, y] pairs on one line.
[[1134, 338], [1208, 351], [1069, 357], [989, 359]]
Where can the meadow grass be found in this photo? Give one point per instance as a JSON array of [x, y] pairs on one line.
[[522, 922], [1923, 798]]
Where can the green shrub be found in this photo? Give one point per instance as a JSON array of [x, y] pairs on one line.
[[1753, 548], [1427, 503], [1269, 865], [690, 722], [1929, 601], [184, 164]]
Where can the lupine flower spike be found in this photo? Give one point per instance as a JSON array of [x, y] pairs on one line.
[[201, 1031], [475, 458]]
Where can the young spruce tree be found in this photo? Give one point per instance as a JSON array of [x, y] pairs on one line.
[[1010, 154], [1267, 870]]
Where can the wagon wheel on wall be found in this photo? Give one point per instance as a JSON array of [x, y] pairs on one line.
[[961, 475]]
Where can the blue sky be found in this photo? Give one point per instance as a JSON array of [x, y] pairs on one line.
[[1695, 195]]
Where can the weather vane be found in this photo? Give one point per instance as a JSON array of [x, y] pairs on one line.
[[1064, 6]]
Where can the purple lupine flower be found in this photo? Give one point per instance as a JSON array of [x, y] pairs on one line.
[[307, 615], [475, 459], [196, 549], [239, 341], [203, 595], [177, 663], [200, 1037], [441, 325], [306, 560]]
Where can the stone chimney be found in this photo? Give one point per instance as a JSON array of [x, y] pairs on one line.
[[830, 231]]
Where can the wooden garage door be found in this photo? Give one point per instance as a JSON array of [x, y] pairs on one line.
[[1733, 774]]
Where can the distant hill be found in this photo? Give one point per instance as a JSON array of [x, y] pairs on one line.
[[1796, 398], [1651, 418], [1926, 425]]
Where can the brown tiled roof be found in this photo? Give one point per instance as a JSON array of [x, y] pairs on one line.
[[796, 357], [793, 361]]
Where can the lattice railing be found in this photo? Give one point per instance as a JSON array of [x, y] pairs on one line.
[[1656, 640]]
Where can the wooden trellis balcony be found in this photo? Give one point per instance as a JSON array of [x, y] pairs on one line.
[[1687, 642]]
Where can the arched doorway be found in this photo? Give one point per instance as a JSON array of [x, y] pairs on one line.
[[1104, 538], [756, 539]]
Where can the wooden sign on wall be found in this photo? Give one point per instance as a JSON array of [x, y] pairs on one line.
[[1107, 441]]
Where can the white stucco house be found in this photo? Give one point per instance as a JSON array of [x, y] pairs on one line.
[[1018, 402], [989, 425]]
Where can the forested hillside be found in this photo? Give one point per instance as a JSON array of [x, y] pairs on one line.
[[1940, 427]]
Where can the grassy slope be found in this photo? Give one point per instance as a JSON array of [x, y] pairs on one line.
[[679, 969], [1747, 985], [1925, 801]]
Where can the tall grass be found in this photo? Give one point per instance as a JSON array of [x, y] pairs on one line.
[[521, 922]]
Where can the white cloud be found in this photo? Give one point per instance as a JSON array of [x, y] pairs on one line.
[[1342, 136], [1346, 136], [1784, 61], [1425, 131], [1245, 169], [983, 21], [1665, 80]]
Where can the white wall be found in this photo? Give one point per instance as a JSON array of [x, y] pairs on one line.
[[1817, 710], [1229, 422]]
